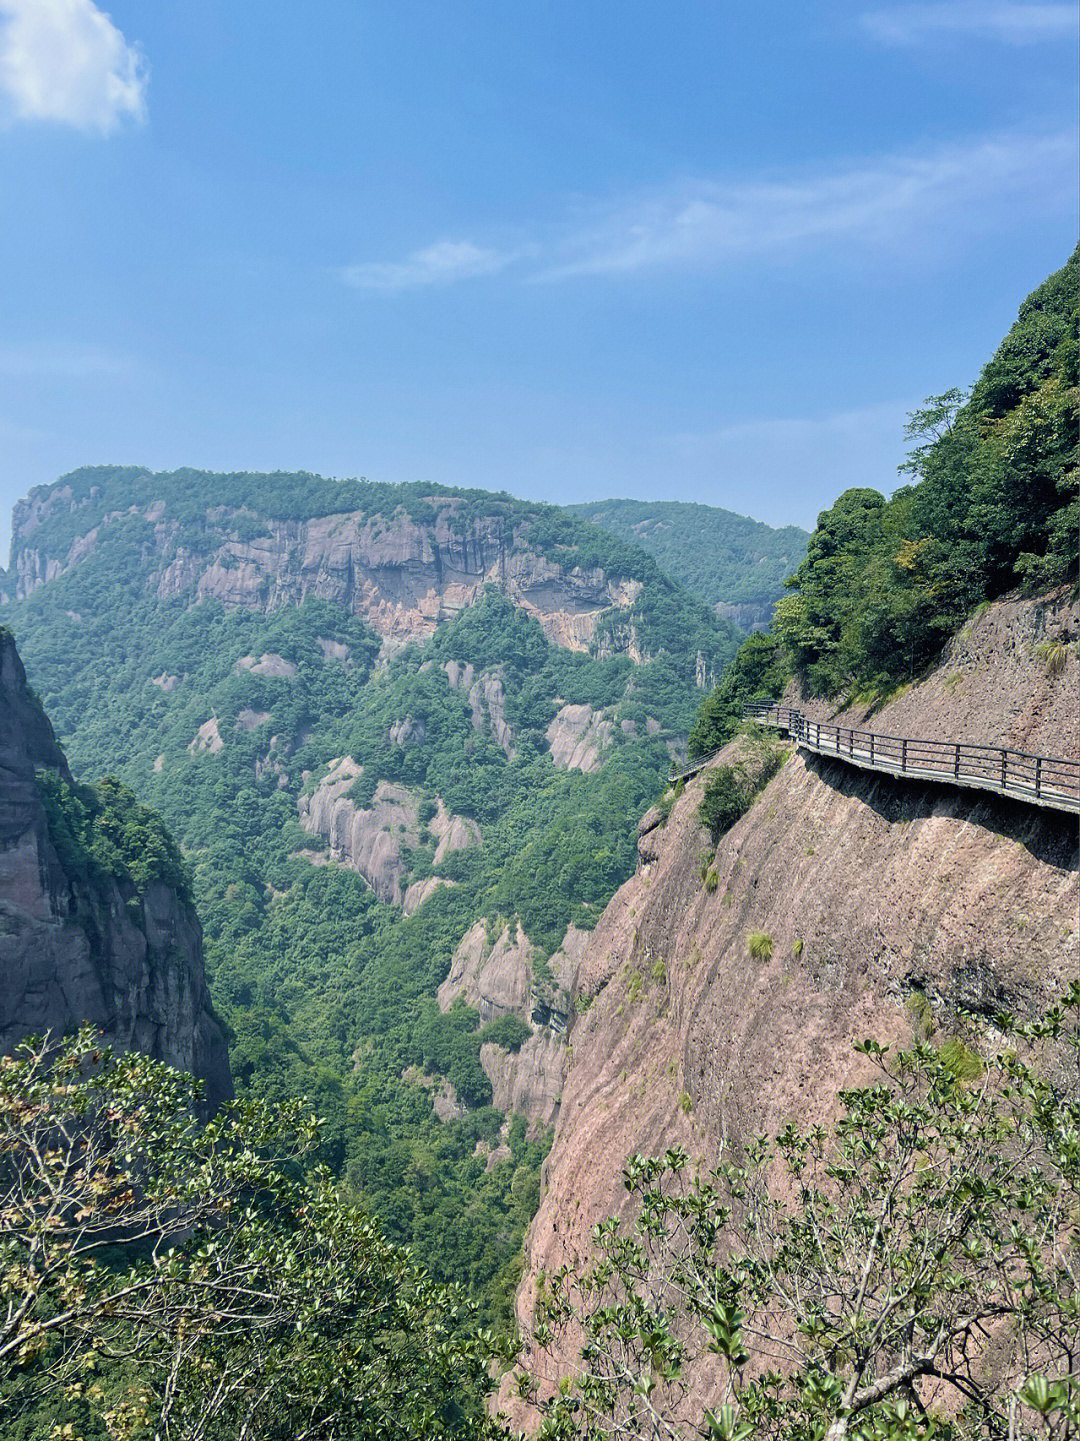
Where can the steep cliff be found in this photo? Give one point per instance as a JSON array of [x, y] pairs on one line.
[[505, 975], [868, 890], [78, 944], [377, 839]]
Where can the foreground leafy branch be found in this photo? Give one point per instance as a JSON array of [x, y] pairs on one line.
[[910, 1270], [189, 1280]]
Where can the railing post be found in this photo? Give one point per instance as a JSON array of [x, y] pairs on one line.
[[1004, 765], [903, 754], [956, 764], [851, 742], [1038, 776], [871, 747]]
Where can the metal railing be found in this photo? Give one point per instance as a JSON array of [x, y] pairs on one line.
[[1040, 780]]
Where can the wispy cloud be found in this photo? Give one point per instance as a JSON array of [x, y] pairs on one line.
[[60, 360], [437, 264], [65, 61], [871, 207], [886, 206], [1003, 20], [796, 433]]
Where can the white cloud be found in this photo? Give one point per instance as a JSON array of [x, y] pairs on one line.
[[437, 264], [65, 61], [889, 203], [1015, 24]]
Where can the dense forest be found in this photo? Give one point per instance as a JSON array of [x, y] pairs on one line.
[[992, 506], [719, 556]]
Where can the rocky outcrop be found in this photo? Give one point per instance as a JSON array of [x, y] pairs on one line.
[[207, 738], [747, 615], [528, 1080], [495, 977], [486, 695], [373, 839], [577, 737], [271, 664], [501, 977], [73, 950], [869, 889]]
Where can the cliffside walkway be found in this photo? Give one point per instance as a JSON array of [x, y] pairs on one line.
[[1040, 780]]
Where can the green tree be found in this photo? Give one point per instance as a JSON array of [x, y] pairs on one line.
[[910, 1270], [994, 504], [181, 1280]]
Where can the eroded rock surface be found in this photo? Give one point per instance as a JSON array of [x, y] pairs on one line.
[[495, 976], [868, 887], [271, 664], [371, 839], [577, 737], [498, 978], [207, 738], [402, 576], [72, 951]]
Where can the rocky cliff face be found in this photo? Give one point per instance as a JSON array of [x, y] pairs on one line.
[[71, 952], [402, 576], [499, 976], [869, 889]]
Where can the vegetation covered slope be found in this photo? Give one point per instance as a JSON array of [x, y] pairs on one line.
[[993, 506], [184, 639], [721, 557]]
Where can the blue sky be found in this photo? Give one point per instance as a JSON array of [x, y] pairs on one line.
[[699, 251]]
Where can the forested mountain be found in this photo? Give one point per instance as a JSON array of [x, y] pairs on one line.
[[399, 733], [733, 563], [993, 507]]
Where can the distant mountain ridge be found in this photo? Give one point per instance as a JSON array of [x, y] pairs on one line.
[[734, 564]]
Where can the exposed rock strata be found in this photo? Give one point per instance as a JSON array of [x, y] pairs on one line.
[[498, 978], [73, 952], [577, 737], [207, 738], [495, 977], [528, 1080], [271, 664], [402, 576], [371, 839]]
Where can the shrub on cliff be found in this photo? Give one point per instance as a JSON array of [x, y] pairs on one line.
[[103, 832], [730, 789], [908, 1271]]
